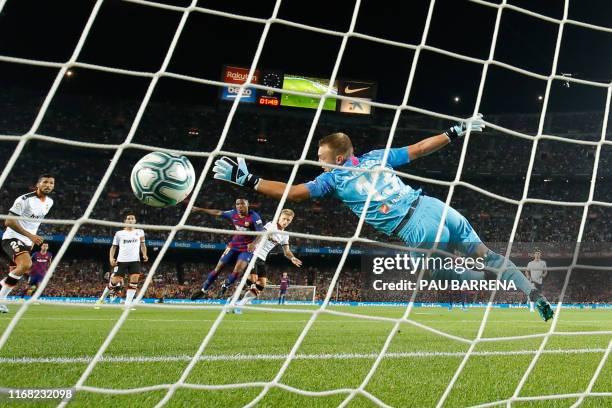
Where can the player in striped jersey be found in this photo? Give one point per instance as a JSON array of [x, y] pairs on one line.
[[40, 263], [258, 279], [237, 252], [20, 236]]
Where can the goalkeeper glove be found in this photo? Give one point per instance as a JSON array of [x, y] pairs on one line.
[[227, 169], [461, 128]]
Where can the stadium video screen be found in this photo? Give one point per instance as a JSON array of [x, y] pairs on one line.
[[310, 85]]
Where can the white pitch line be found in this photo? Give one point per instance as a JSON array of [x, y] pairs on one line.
[[534, 322], [257, 357]]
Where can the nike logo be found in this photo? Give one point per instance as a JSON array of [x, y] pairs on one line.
[[348, 90]]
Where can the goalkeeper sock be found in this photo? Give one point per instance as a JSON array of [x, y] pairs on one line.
[[212, 277], [511, 273]]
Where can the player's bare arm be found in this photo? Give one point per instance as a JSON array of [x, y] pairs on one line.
[[111, 256], [251, 247], [289, 255], [214, 213], [15, 226], [143, 250]]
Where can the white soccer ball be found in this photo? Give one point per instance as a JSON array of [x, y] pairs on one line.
[[162, 180]]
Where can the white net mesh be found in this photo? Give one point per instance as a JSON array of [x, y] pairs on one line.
[[154, 77]]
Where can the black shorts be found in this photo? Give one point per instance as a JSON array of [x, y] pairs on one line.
[[14, 247], [260, 268], [127, 268]]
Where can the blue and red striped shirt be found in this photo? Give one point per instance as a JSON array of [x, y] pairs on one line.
[[284, 283], [250, 222], [40, 263]]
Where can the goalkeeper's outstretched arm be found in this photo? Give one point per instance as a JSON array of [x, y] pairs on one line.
[[435, 143], [236, 171], [275, 189]]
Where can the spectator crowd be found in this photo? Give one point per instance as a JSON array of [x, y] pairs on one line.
[[495, 161]]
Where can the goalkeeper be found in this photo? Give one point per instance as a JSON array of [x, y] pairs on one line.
[[395, 208]]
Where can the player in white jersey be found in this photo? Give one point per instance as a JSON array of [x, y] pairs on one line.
[[130, 242], [20, 235], [257, 280], [536, 272]]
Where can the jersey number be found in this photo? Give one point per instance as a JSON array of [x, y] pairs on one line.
[[388, 183]]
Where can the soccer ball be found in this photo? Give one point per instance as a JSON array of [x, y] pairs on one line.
[[161, 179]]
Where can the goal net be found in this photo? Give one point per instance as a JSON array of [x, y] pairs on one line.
[[299, 293], [472, 346]]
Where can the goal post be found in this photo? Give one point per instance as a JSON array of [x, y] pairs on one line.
[[299, 293]]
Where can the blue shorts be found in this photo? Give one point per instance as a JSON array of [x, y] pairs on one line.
[[35, 280], [283, 291], [421, 229], [231, 256]]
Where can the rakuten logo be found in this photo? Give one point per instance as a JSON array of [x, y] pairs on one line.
[[239, 75]]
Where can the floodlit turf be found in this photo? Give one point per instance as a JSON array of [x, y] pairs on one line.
[[51, 346]]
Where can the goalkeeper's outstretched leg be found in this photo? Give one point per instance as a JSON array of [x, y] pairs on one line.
[[420, 232]]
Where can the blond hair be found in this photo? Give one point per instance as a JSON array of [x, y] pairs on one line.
[[339, 143], [288, 212]]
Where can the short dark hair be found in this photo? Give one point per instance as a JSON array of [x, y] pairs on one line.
[[127, 213], [243, 199], [46, 175]]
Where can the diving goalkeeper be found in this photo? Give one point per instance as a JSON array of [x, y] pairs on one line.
[[395, 208]]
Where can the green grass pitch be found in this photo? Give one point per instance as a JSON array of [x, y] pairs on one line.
[[310, 85], [51, 345]]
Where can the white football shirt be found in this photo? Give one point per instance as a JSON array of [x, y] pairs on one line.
[[28, 205], [274, 239], [536, 270], [129, 244]]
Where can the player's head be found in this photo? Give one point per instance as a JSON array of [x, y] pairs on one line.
[[45, 184], [284, 274], [537, 254], [242, 206], [286, 216], [334, 149], [44, 247], [129, 217]]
